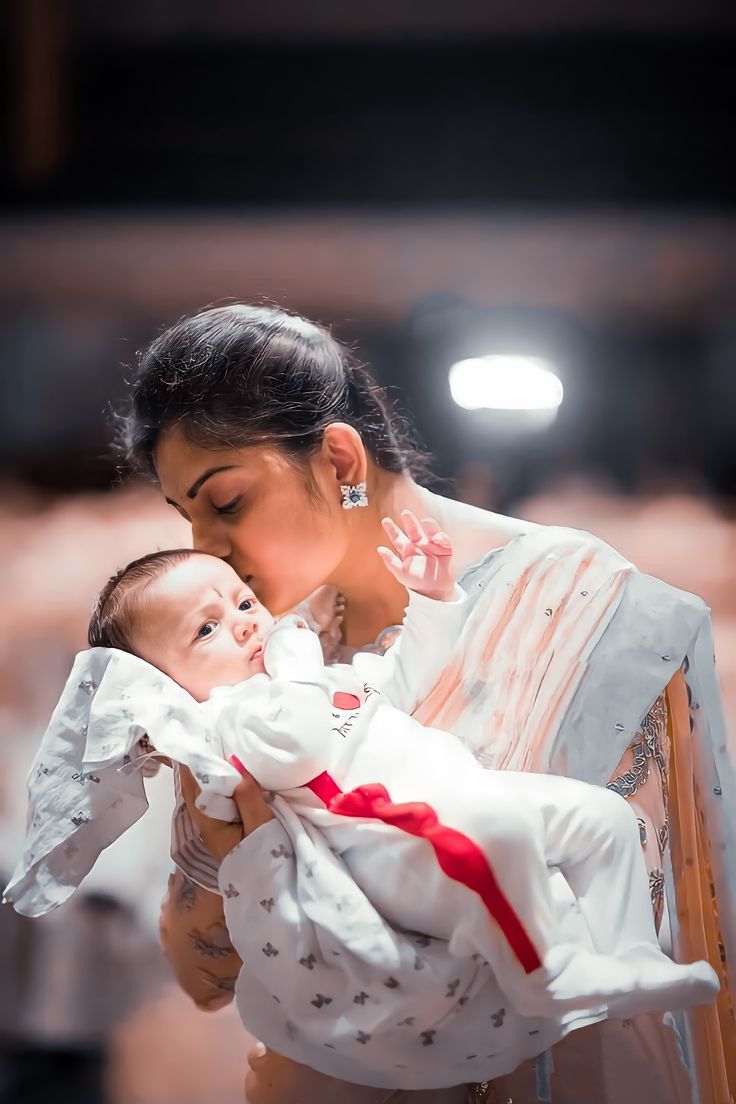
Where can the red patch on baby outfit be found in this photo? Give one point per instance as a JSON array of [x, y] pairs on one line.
[[341, 700], [459, 857]]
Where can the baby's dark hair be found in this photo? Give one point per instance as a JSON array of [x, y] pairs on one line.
[[119, 600], [242, 375]]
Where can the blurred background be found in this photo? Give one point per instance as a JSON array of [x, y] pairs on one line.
[[540, 190]]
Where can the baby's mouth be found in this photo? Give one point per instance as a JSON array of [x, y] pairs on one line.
[[257, 653]]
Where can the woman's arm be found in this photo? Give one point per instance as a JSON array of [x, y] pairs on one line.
[[273, 1079], [193, 931], [196, 942]]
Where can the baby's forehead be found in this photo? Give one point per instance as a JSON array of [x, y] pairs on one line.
[[197, 578]]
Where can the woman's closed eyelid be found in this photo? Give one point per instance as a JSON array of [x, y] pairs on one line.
[[228, 507]]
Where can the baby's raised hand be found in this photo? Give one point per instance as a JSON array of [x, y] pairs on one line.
[[422, 556]]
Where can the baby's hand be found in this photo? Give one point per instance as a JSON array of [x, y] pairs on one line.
[[422, 560]]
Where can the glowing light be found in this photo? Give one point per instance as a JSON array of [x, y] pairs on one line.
[[505, 383]]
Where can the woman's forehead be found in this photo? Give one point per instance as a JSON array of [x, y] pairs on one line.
[[179, 461], [182, 466]]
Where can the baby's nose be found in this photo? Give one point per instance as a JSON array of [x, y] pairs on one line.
[[245, 627]]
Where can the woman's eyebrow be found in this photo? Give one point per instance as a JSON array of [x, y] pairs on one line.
[[194, 489]]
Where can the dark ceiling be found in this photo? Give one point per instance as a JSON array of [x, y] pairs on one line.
[[194, 105], [566, 156]]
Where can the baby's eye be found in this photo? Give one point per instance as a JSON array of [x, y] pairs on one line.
[[207, 629], [246, 604]]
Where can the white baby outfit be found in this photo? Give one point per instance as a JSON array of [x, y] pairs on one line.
[[369, 979], [296, 729]]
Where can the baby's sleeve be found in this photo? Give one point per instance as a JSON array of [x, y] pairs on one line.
[[280, 727], [428, 642]]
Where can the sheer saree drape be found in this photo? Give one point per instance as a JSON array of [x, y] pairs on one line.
[[572, 662]]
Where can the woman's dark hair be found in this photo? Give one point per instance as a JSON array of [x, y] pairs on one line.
[[242, 375], [120, 599]]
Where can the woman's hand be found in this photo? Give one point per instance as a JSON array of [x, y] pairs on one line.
[[194, 935], [422, 560], [220, 836], [273, 1079]]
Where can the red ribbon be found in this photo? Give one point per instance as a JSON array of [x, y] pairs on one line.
[[458, 856]]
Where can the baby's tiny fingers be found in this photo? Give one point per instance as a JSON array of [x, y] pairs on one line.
[[414, 530], [439, 544], [399, 539], [392, 562], [431, 526]]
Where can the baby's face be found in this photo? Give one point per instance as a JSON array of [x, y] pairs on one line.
[[202, 626]]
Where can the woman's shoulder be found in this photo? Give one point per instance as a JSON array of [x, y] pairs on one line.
[[475, 532]]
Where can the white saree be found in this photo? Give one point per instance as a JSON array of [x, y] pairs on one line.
[[573, 662], [570, 662]]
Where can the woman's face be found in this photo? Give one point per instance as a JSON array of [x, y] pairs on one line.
[[251, 508]]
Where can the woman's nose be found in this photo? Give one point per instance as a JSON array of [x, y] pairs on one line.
[[210, 538]]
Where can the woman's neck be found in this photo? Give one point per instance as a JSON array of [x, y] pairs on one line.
[[373, 597]]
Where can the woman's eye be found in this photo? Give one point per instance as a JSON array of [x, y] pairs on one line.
[[229, 507], [246, 604], [206, 630]]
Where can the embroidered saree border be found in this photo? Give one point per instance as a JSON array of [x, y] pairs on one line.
[[712, 1028]]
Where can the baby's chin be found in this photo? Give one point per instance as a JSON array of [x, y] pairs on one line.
[[254, 666]]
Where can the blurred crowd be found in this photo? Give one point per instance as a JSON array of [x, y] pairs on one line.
[[86, 989]]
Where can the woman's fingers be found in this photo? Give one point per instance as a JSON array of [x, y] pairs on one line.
[[253, 808], [189, 788], [248, 796]]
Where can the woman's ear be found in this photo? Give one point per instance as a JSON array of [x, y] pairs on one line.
[[344, 451]]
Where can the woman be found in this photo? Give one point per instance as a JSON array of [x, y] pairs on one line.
[[284, 456]]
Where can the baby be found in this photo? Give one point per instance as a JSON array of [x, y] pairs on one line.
[[404, 809]]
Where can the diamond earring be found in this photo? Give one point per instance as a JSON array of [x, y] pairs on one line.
[[353, 494]]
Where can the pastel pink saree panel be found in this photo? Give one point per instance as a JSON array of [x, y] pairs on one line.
[[572, 662]]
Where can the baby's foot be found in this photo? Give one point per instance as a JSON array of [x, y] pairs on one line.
[[644, 979], [663, 985]]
